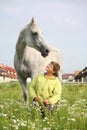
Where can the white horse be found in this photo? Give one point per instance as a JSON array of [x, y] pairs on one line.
[[30, 36]]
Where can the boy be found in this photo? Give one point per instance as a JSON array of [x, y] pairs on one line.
[[46, 88]]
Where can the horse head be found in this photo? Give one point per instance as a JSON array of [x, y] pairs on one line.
[[34, 38]]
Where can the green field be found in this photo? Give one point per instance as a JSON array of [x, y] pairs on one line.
[[70, 115]]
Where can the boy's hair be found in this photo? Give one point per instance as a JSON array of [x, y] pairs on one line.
[[56, 67]]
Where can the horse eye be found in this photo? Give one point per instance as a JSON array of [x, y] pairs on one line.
[[35, 33]]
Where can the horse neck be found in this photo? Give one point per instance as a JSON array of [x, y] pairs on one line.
[[20, 47]]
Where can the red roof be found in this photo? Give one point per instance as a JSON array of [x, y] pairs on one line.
[[66, 76], [7, 71]]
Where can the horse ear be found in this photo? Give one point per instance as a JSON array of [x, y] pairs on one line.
[[32, 20]]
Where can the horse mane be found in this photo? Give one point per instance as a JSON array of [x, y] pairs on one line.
[[21, 44]]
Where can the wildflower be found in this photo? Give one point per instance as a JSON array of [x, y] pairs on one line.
[[14, 121], [2, 114], [46, 128], [1, 106], [69, 119]]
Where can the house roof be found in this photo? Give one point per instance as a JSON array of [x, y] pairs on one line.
[[66, 76], [82, 73], [7, 71]]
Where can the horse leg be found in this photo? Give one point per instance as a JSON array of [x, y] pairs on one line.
[[24, 88]]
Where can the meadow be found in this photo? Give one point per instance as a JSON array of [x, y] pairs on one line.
[[71, 114]]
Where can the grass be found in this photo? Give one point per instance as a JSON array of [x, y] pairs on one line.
[[70, 115]]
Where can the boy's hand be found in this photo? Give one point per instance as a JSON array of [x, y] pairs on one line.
[[36, 99], [46, 102]]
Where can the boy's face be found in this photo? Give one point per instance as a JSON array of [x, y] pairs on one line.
[[49, 68]]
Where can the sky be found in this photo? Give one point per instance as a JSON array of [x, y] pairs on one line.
[[63, 22]]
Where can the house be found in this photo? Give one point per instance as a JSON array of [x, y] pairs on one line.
[[81, 76], [7, 73], [68, 77]]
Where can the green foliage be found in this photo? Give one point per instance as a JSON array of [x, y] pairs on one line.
[[71, 114]]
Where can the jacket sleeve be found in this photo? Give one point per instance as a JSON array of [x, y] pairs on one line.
[[56, 93], [32, 88]]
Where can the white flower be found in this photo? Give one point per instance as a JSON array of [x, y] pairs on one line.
[[1, 106], [2, 114], [14, 120], [69, 119]]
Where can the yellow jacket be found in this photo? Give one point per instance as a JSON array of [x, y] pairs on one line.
[[45, 88]]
